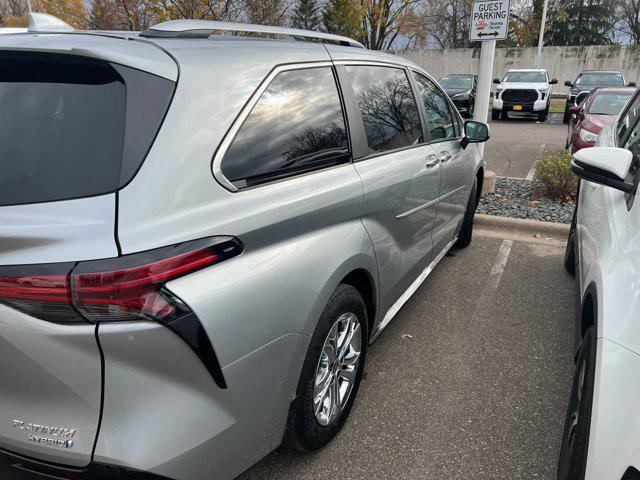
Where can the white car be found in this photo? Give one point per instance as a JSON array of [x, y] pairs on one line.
[[12, 30], [523, 90], [602, 430]]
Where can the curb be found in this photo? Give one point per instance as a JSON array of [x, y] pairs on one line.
[[533, 226]]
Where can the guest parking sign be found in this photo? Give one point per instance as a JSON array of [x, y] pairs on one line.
[[489, 20]]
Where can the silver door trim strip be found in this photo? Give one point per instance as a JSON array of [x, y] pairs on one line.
[[395, 308], [429, 203]]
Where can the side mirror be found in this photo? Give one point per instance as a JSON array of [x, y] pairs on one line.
[[575, 109], [553, 81], [568, 83], [632, 84], [496, 80], [474, 132], [604, 165]]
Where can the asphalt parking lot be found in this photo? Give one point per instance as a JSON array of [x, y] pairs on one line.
[[471, 379], [516, 143]]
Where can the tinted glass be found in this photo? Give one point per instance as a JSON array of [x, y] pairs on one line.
[[608, 103], [388, 108], [63, 125], [296, 125], [442, 124], [534, 77], [633, 144], [456, 82], [600, 80], [628, 119]]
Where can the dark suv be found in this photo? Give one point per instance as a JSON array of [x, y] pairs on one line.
[[461, 88], [586, 81]]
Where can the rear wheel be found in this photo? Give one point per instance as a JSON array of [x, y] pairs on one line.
[[575, 441], [331, 372], [466, 232]]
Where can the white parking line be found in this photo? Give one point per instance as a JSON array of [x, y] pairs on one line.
[[532, 172], [498, 268]]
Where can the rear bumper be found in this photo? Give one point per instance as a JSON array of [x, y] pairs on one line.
[[16, 467]]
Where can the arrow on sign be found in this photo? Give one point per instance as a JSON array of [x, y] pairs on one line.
[[491, 34]]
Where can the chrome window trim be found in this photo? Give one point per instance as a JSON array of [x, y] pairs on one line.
[[216, 166]]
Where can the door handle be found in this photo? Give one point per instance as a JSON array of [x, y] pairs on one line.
[[432, 161], [445, 157]]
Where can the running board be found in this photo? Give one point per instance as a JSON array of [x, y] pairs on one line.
[[395, 308]]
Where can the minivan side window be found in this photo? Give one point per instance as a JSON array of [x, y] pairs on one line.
[[388, 107], [296, 126], [442, 123]]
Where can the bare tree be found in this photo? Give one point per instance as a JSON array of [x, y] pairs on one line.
[[629, 20], [443, 23], [384, 20], [267, 12]]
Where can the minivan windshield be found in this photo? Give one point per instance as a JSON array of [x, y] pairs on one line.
[[600, 79], [456, 82], [67, 125], [530, 77]]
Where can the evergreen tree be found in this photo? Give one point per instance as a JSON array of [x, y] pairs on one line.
[[581, 22], [306, 15], [343, 17]]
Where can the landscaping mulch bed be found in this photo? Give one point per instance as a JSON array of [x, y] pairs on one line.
[[515, 198]]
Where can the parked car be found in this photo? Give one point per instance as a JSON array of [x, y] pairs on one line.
[[602, 428], [586, 81], [601, 108], [461, 89], [523, 90], [200, 236]]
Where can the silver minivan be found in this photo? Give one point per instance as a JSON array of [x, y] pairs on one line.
[[200, 234]]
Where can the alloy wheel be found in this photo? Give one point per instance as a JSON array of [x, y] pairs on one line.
[[337, 368]]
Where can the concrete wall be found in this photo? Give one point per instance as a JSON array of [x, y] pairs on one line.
[[563, 63]]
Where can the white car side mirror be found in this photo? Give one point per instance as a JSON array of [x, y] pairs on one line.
[[604, 165]]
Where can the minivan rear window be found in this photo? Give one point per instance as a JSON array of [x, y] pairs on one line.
[[73, 126]]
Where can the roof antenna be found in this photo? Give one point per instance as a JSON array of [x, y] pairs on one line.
[[43, 22]]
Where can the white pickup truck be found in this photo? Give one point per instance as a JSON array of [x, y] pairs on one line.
[[523, 90]]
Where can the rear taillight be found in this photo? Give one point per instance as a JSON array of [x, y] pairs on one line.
[[119, 289]]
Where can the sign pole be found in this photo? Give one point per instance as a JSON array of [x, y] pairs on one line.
[[538, 62], [481, 107], [489, 23]]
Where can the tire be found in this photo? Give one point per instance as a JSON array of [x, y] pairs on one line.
[[542, 116], [495, 114], [305, 430], [466, 232], [575, 440], [570, 250]]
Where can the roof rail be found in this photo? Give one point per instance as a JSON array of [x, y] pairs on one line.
[[43, 22], [206, 28]]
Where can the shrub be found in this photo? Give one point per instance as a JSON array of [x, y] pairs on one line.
[[553, 177]]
